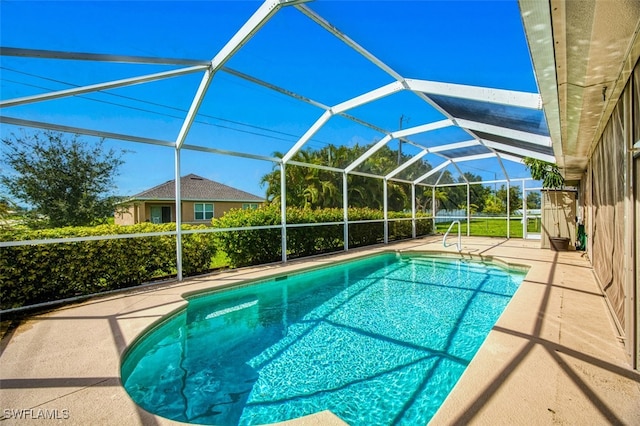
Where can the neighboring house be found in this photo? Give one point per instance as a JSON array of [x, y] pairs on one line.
[[202, 200]]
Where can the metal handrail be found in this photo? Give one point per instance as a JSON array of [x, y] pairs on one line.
[[444, 239]]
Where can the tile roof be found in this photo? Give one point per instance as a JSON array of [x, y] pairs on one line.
[[194, 187]]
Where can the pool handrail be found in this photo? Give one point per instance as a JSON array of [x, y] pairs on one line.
[[458, 244]]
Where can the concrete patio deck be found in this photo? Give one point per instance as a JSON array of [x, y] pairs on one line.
[[552, 358]]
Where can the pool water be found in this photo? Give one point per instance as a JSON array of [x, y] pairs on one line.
[[381, 340]]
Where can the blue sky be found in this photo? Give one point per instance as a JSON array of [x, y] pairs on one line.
[[467, 42]]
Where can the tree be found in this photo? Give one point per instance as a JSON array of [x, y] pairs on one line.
[[515, 197], [533, 200], [494, 205], [310, 187], [65, 181], [546, 172]]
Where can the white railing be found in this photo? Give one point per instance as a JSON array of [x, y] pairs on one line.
[[457, 244]]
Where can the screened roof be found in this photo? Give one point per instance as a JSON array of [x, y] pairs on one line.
[[447, 124]]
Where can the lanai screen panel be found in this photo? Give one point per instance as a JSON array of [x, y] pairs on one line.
[[514, 143], [466, 152], [507, 116], [237, 115]]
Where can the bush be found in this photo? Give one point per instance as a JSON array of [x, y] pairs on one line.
[[46, 272], [257, 246]]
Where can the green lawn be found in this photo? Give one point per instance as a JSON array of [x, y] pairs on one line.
[[487, 227]]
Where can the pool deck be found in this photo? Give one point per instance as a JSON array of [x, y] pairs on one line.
[[552, 358]]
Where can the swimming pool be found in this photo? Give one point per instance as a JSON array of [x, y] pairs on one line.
[[381, 340]]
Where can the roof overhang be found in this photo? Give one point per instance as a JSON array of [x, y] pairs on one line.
[[583, 52]]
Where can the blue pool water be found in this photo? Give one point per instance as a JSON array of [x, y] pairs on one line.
[[381, 340]]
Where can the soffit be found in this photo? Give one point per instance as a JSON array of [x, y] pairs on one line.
[[582, 53]]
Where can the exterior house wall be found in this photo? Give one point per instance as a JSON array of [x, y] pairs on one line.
[[610, 217], [141, 211], [220, 208], [126, 216], [188, 213], [558, 217]]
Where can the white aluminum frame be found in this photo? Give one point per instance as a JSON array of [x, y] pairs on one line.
[[269, 8]]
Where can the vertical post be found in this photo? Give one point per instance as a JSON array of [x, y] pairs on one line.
[[178, 216], [468, 210], [413, 210], [345, 211], [433, 207], [508, 210], [283, 210], [400, 141], [385, 207], [525, 219]]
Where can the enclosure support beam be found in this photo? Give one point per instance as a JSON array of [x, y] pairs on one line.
[[407, 164], [178, 217], [503, 131], [382, 142], [513, 158], [242, 36], [474, 157], [82, 131], [525, 220], [508, 210], [97, 57], [481, 94], [101, 86], [422, 128], [433, 207], [345, 211], [365, 98], [348, 41], [413, 210], [283, 210], [193, 108], [468, 210], [455, 145], [432, 171], [518, 151], [307, 135], [506, 175], [385, 208], [246, 32]]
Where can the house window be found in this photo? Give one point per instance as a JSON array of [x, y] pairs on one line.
[[203, 211], [249, 206]]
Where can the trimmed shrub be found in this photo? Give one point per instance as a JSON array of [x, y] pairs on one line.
[[399, 230], [41, 273], [257, 246]]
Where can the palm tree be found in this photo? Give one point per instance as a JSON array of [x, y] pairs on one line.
[[318, 188]]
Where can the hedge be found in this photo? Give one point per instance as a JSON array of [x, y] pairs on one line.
[[257, 246], [33, 274]]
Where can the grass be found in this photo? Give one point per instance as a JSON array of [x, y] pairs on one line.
[[485, 227], [488, 227]]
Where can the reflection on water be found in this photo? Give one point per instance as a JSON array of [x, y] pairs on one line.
[[378, 341]]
